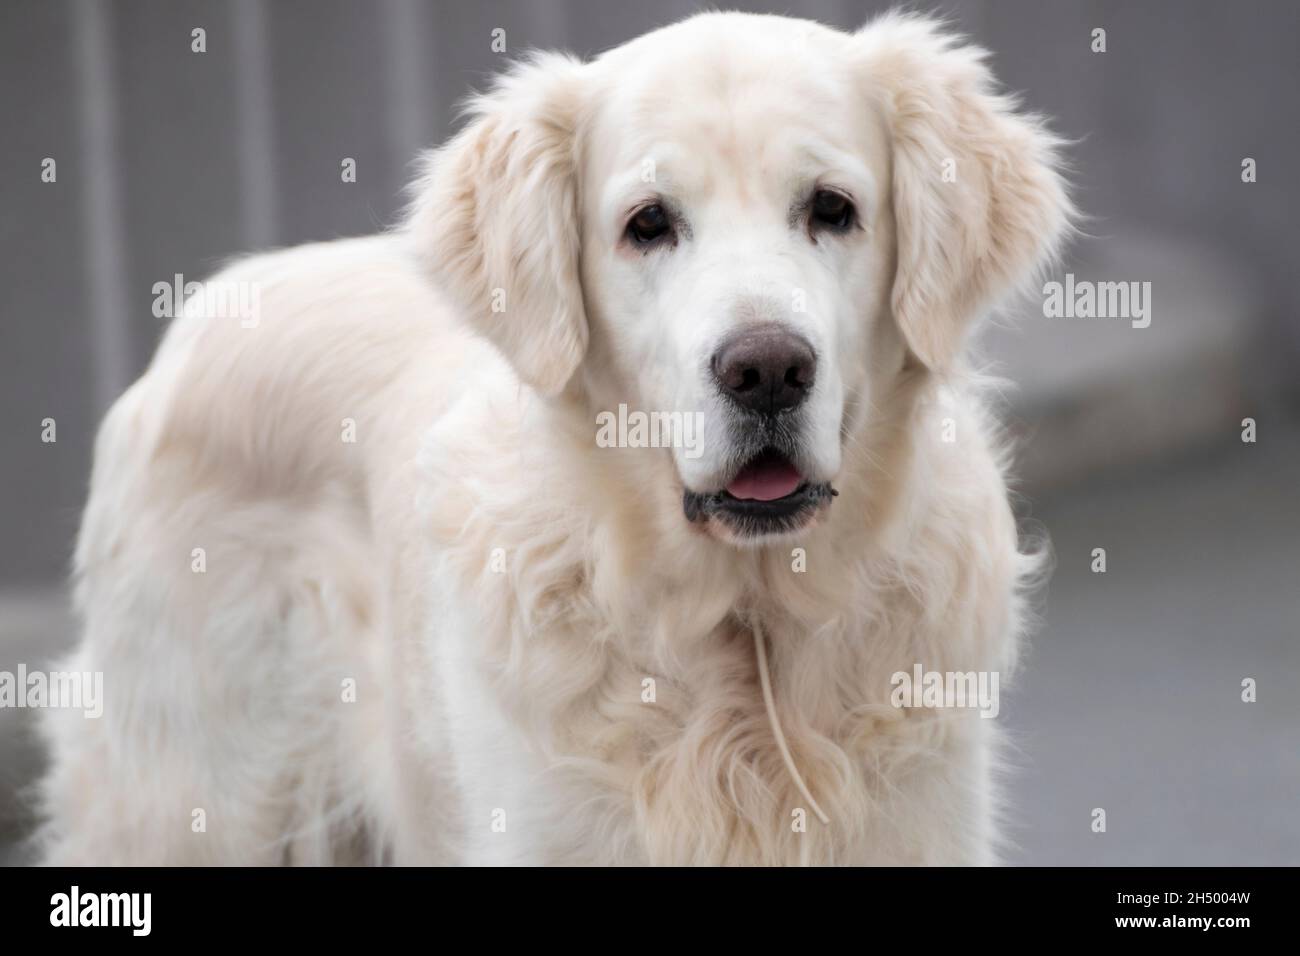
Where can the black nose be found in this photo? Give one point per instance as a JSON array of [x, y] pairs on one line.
[[765, 368]]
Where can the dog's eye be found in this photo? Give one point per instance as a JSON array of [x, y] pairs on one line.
[[649, 224], [832, 210]]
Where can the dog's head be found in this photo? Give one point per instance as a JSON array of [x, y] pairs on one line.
[[751, 223]]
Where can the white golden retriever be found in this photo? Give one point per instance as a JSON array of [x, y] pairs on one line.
[[363, 585]]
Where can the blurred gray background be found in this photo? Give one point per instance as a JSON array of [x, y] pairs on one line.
[[168, 161]]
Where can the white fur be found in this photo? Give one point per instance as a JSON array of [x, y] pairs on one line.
[[521, 691]]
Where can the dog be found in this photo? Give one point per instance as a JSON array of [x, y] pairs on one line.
[[364, 586]]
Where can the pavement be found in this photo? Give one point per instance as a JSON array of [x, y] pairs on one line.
[[1131, 700]]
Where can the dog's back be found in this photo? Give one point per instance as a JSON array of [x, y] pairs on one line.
[[227, 566]]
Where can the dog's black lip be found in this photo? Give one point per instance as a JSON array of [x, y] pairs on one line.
[[758, 516], [747, 516], [773, 505]]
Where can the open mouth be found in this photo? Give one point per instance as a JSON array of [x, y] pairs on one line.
[[768, 495], [768, 476]]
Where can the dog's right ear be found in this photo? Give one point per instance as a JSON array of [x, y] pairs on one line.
[[495, 217], [978, 197]]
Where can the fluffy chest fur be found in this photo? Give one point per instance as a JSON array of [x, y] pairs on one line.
[[613, 653]]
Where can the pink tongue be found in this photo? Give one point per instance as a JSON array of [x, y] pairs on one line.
[[765, 480]]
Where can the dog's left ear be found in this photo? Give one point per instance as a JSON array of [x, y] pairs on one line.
[[495, 217], [977, 198]]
